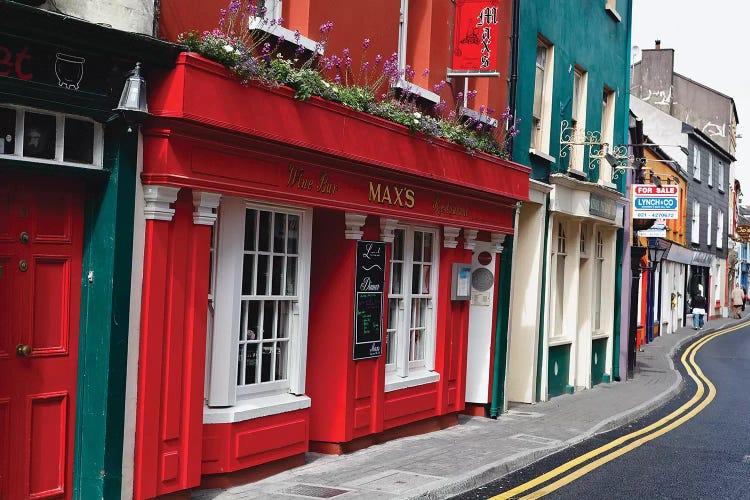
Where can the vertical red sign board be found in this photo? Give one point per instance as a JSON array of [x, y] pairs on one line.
[[476, 35]]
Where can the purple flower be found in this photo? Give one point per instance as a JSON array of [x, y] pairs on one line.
[[266, 48], [482, 109], [365, 43], [326, 27], [280, 21], [425, 72], [337, 79], [297, 36], [345, 53], [234, 6], [439, 87], [365, 66], [281, 40], [452, 115], [378, 59], [459, 96]]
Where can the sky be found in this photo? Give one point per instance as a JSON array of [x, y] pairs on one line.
[[709, 42]]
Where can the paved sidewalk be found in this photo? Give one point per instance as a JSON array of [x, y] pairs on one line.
[[477, 450]]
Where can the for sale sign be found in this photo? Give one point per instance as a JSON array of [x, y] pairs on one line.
[[655, 202]]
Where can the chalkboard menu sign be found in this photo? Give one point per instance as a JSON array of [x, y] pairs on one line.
[[368, 299]]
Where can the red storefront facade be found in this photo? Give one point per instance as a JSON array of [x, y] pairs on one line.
[[255, 203]]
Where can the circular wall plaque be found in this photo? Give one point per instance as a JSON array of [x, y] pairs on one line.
[[484, 258], [482, 279]]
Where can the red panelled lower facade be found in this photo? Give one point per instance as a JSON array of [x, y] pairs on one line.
[[211, 135]]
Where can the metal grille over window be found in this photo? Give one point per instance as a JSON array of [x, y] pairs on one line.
[[269, 295]]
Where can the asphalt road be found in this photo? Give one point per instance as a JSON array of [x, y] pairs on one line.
[[705, 457]]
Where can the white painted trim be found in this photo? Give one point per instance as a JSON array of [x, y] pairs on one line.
[[394, 382], [542, 155], [386, 229], [470, 238], [158, 199], [354, 223], [279, 31], [497, 240], [450, 233], [255, 408], [554, 342], [415, 89], [134, 332], [205, 204]]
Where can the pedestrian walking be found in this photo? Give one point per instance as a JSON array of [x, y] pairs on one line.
[[738, 299], [699, 305]]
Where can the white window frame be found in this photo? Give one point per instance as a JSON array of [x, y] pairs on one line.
[[695, 228], [710, 169], [402, 83], [720, 229], [720, 176], [608, 133], [273, 13], [696, 163], [560, 264], [223, 390], [578, 115], [598, 280], [709, 226], [98, 146], [611, 7], [540, 126], [402, 372]]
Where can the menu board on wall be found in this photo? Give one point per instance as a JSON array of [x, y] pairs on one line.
[[368, 299]]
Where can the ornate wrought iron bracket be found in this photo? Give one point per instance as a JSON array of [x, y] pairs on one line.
[[571, 137]]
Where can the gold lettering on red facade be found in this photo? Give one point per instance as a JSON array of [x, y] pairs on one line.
[[298, 180], [400, 196], [448, 208]]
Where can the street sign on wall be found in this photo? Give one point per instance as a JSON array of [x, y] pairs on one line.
[[655, 202], [743, 232]]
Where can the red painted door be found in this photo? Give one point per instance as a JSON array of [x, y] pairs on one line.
[[41, 242]]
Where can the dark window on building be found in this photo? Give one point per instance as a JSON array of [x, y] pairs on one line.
[[79, 141], [7, 131], [39, 134]]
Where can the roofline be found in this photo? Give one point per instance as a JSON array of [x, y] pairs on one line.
[[43, 25], [687, 128], [734, 106]]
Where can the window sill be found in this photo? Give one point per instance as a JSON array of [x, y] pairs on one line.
[[559, 341], [259, 23], [607, 184], [577, 172], [257, 407], [599, 335], [542, 155], [393, 382], [613, 14], [57, 163], [417, 90]]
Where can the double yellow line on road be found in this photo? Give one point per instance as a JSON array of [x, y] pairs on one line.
[[635, 439]]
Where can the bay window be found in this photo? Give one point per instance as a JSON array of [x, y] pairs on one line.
[[410, 329], [258, 302]]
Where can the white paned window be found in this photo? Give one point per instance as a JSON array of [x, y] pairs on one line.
[[541, 112], [720, 229], [695, 230], [710, 169], [598, 269], [258, 302], [696, 163], [42, 136], [561, 253], [410, 332], [608, 132], [709, 233], [720, 175], [578, 117]]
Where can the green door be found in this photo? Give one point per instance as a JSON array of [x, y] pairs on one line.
[[598, 360], [558, 370]]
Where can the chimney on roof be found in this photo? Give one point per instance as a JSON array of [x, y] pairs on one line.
[[657, 44]]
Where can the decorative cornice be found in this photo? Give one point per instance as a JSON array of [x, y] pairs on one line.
[[470, 238], [354, 223], [387, 227], [205, 204], [450, 234], [158, 199], [497, 240]]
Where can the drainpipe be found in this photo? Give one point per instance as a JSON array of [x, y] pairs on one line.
[[503, 319], [513, 84], [618, 307]]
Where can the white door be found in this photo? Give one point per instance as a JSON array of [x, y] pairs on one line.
[[483, 283]]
